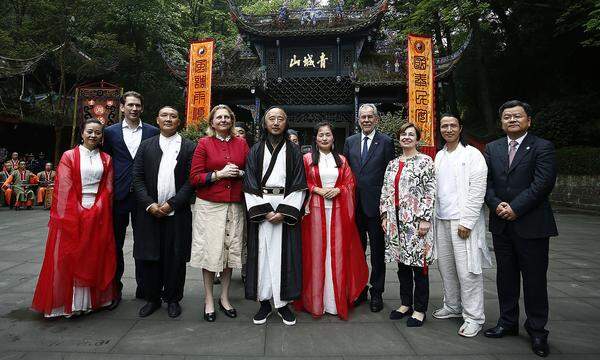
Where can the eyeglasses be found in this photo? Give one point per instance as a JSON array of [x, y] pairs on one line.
[[509, 117]]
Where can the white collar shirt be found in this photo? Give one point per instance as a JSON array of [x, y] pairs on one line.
[[219, 137], [370, 137], [170, 147], [519, 141], [132, 137]]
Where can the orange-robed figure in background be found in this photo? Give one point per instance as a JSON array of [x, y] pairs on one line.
[[46, 180], [21, 181]]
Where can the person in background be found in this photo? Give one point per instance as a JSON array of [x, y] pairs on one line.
[[5, 193], [293, 136], [46, 179], [14, 160], [240, 130], [22, 182]]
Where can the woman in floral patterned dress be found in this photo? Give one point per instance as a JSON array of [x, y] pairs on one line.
[[407, 203]]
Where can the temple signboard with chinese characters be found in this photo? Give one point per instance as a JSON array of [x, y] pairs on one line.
[[307, 61], [421, 90], [199, 81]]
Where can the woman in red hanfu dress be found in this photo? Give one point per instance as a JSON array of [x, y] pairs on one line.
[[79, 263], [333, 262]]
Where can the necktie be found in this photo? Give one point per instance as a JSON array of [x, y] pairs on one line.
[[365, 150], [512, 151]]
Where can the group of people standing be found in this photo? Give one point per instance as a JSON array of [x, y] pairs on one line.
[[298, 225], [21, 186]]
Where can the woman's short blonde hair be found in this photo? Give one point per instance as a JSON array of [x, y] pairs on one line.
[[210, 131]]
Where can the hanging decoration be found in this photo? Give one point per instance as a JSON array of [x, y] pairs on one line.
[[96, 100], [199, 80], [421, 90]]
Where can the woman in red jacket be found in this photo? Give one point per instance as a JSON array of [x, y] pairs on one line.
[[334, 270], [218, 230]]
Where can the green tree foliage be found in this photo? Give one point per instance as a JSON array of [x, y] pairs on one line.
[[543, 52]]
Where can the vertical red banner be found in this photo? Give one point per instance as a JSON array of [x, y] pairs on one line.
[[199, 81], [421, 90]]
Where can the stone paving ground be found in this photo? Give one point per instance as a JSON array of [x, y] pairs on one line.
[[574, 291]]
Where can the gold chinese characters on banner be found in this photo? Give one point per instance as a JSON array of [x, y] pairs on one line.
[[421, 97], [199, 81]]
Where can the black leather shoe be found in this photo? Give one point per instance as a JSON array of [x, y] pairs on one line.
[[397, 315], [210, 317], [499, 331], [376, 304], [174, 309], [114, 304], [232, 313], [149, 308], [540, 346]]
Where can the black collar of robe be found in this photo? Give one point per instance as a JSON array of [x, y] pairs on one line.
[[294, 169], [291, 247]]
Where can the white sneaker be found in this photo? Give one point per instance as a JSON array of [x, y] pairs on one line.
[[469, 329], [444, 313]]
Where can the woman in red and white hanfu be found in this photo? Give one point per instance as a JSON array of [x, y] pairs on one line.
[[79, 264], [333, 262]]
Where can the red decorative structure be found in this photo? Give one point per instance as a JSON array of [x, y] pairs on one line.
[[96, 100]]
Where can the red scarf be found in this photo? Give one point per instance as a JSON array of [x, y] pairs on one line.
[[396, 182]]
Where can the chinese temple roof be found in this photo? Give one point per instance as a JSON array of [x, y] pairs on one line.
[[381, 64], [312, 21]]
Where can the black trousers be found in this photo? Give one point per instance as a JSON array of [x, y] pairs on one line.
[[371, 226], [164, 279], [122, 209], [517, 257], [414, 287]]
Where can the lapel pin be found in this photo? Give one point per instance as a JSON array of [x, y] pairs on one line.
[[527, 148]]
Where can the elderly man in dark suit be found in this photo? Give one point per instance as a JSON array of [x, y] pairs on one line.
[[521, 175], [121, 142], [164, 230], [368, 153]]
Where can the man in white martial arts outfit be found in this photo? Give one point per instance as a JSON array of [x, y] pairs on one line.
[[461, 174], [274, 188]]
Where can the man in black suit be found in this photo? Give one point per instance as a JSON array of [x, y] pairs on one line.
[[164, 217], [521, 175], [369, 153], [121, 142]]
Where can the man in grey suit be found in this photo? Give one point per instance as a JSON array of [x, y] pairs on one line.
[[521, 175], [369, 153]]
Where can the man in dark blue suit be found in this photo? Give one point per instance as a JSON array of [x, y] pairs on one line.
[[121, 141], [521, 175], [369, 153]]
